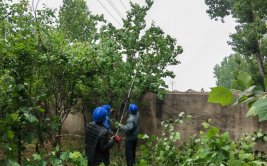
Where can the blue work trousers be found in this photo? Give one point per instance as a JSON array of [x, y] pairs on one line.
[[130, 151]]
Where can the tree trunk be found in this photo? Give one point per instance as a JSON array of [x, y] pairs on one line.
[[260, 65]]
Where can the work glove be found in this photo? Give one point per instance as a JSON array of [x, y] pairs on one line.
[[117, 139], [111, 134]]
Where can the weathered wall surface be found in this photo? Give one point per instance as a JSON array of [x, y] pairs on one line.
[[226, 120]]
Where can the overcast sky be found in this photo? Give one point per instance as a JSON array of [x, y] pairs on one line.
[[204, 40]]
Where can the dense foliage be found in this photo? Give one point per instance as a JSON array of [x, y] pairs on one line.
[[249, 41], [211, 148], [50, 69]]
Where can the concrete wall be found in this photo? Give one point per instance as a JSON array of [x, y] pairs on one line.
[[226, 120]]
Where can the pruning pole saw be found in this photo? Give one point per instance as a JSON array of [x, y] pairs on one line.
[[127, 99]]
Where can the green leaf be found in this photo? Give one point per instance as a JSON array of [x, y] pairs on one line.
[[64, 156], [36, 157], [57, 148], [253, 110], [227, 147], [28, 137], [220, 95], [55, 126], [206, 125], [75, 154], [212, 132], [10, 134], [143, 163], [209, 120], [142, 147], [54, 160], [261, 105], [233, 162], [223, 155], [181, 114], [20, 87], [102, 164], [153, 137], [43, 162], [188, 116], [201, 132], [244, 80], [41, 110], [15, 164], [31, 118], [181, 121], [14, 116], [204, 139]]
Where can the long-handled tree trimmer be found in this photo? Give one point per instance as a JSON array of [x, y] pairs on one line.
[[127, 99]]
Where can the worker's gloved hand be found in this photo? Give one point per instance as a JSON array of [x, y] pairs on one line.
[[111, 134], [127, 98], [117, 139]]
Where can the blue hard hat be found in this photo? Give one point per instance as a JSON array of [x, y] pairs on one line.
[[107, 107], [133, 109], [99, 114]]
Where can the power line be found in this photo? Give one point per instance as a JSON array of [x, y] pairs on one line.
[[123, 5], [115, 8], [109, 13]]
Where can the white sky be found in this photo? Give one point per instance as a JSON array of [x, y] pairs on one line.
[[204, 40]]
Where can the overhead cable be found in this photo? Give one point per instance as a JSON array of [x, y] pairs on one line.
[[123, 5], [115, 8], [109, 13]]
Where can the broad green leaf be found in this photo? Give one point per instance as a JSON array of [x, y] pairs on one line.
[[259, 162], [220, 95], [142, 147], [253, 110], [223, 155], [153, 137], [212, 132], [204, 139], [209, 120], [36, 157], [206, 125], [75, 155], [20, 87], [41, 110], [181, 114], [57, 148], [201, 132], [227, 147], [188, 116], [102, 164], [55, 126], [233, 162], [31, 118], [143, 163], [261, 105], [28, 137], [244, 80], [177, 135], [10, 134], [14, 116], [43, 162], [54, 160], [64, 156], [181, 121], [15, 164]]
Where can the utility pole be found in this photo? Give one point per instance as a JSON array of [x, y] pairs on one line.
[[172, 82]]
